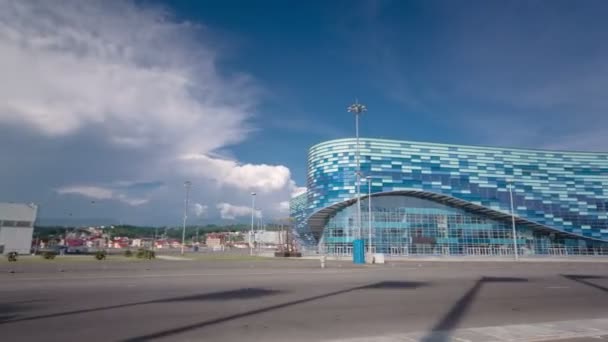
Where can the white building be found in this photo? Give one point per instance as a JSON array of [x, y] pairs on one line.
[[17, 227], [268, 237]]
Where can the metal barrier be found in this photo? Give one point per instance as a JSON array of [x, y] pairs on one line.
[[481, 251]]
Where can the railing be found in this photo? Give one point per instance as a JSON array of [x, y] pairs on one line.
[[503, 251]]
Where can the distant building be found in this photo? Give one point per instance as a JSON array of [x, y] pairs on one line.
[[142, 242], [171, 243], [240, 245], [17, 227], [96, 242], [120, 242], [215, 240], [268, 237]]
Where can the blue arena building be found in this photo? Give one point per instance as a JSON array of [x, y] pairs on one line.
[[440, 199]]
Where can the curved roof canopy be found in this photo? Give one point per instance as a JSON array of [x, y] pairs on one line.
[[318, 219]]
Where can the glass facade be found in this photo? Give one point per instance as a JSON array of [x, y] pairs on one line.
[[404, 225], [298, 212], [560, 198]]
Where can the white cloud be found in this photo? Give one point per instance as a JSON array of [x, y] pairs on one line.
[[200, 209], [127, 90], [101, 193], [230, 211], [261, 177], [127, 70], [297, 190], [284, 207], [87, 191], [132, 201]]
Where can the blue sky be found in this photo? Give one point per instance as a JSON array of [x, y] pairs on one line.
[[428, 70], [118, 103]]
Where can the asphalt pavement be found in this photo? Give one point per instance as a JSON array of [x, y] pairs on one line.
[[296, 300]]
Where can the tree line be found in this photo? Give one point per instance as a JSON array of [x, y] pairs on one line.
[[130, 231]]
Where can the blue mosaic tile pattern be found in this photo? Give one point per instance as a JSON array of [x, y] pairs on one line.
[[298, 212], [565, 191]]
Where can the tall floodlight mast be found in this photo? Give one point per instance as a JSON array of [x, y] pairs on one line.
[[357, 109]]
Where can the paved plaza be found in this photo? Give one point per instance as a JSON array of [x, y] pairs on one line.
[[296, 300]]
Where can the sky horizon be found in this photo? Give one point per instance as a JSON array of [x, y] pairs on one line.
[[107, 108]]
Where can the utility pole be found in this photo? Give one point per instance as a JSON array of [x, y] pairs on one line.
[[187, 185], [251, 233], [155, 238], [369, 214], [513, 222]]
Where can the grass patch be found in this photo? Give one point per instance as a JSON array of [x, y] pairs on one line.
[[29, 259]]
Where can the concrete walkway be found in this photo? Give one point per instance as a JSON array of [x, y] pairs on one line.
[[173, 258], [551, 331]]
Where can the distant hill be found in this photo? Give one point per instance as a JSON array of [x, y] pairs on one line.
[[47, 231], [92, 221], [74, 222]]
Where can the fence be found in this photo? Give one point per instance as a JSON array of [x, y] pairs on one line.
[[502, 251]]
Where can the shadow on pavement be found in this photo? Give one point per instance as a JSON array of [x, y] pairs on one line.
[[441, 331], [584, 279], [9, 311], [392, 285], [186, 328], [238, 294], [223, 295]]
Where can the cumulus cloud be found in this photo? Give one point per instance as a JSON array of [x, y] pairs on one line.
[[127, 89], [131, 201], [87, 191], [200, 209], [284, 207], [98, 64], [100, 193], [230, 211], [262, 177], [297, 190]]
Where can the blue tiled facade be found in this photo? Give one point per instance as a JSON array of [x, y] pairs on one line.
[[563, 192], [298, 212]]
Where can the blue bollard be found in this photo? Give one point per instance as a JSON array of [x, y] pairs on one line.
[[359, 251]]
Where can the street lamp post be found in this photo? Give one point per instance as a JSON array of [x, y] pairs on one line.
[[358, 109], [513, 222], [369, 215], [251, 234], [187, 185], [155, 238], [262, 229]]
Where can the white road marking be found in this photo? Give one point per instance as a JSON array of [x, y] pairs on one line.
[[557, 287]]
